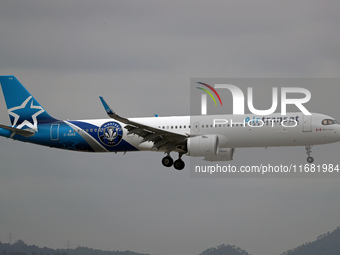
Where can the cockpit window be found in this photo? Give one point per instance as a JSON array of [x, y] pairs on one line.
[[329, 122]]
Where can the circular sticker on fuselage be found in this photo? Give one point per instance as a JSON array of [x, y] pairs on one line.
[[110, 133]]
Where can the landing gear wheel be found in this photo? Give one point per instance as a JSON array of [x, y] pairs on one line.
[[179, 164], [310, 160], [167, 161]]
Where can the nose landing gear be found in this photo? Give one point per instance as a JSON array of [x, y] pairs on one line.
[[310, 159]]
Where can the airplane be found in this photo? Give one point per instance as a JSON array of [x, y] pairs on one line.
[[212, 137]]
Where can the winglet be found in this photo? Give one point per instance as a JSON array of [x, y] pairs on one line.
[[111, 113], [106, 107]]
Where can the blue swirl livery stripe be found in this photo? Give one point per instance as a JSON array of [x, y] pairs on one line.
[[95, 145], [96, 140]]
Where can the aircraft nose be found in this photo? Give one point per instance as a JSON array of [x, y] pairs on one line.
[[337, 132]]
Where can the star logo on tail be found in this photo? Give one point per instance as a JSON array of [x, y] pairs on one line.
[[26, 114]]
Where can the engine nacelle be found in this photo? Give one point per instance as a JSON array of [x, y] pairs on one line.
[[224, 154], [204, 145]]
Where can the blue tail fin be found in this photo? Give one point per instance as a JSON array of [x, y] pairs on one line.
[[24, 111]]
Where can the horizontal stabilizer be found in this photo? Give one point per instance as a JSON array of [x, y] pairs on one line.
[[23, 132]]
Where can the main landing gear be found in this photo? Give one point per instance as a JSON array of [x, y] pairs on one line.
[[179, 164], [310, 159]]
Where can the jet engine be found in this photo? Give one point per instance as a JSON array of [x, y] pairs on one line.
[[224, 154], [204, 145]]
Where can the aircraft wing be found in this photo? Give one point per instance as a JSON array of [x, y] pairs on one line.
[[159, 137]]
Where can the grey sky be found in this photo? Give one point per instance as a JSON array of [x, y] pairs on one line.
[[141, 55]]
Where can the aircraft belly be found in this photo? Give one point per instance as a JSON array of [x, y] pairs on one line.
[[279, 138], [265, 138]]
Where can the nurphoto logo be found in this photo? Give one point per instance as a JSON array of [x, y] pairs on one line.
[[238, 99]]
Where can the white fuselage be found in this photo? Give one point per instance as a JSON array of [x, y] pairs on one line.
[[238, 132]]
